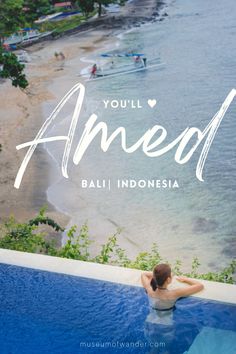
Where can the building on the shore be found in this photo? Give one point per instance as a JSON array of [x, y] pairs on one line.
[[65, 5]]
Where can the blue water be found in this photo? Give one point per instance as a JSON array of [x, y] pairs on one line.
[[196, 44], [42, 312]]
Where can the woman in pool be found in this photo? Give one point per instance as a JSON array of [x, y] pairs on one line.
[[160, 326], [156, 285]]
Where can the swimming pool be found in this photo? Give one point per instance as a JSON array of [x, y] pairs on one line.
[[46, 312]]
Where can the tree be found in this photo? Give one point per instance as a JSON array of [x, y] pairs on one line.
[[103, 2], [35, 9], [11, 19], [107, 2], [74, 3], [86, 6], [12, 69], [11, 16]]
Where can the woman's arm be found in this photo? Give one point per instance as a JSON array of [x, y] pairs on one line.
[[194, 287], [146, 278]]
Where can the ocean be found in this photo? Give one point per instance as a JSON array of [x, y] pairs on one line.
[[196, 46]]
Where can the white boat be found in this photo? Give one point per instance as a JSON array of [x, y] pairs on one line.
[[114, 74], [13, 40], [117, 69], [32, 35], [23, 36]]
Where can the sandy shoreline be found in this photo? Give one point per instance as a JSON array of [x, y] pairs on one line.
[[22, 114], [22, 117]]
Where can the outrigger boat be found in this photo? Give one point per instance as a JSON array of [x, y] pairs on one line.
[[24, 37], [140, 63]]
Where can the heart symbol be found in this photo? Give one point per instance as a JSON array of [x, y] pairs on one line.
[[152, 103]]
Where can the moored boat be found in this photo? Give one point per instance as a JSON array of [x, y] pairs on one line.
[[117, 67], [23, 37]]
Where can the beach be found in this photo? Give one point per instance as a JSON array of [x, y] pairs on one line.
[[117, 183], [22, 114], [22, 117], [194, 220]]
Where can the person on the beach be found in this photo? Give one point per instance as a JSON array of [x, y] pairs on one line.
[[137, 60], [94, 70], [59, 56], [145, 62], [112, 65], [62, 56], [156, 285]]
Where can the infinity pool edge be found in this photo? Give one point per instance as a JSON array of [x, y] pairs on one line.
[[212, 290]]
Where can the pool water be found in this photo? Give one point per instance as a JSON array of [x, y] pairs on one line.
[[44, 312]]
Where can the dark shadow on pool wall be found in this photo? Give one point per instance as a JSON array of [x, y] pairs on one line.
[[44, 312]]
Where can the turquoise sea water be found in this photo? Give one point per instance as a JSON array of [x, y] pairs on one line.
[[196, 43]]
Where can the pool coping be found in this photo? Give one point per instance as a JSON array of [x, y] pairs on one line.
[[225, 293]]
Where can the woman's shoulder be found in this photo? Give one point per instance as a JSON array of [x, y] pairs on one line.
[[168, 295], [172, 294]]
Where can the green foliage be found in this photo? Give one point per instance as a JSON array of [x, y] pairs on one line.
[[104, 2], [42, 219], [176, 268], [12, 69], [110, 252], [86, 6], [36, 8], [76, 247], [107, 250], [224, 276], [59, 27], [195, 266], [73, 3], [22, 237], [11, 19], [26, 237], [11, 16], [15, 14], [146, 260]]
